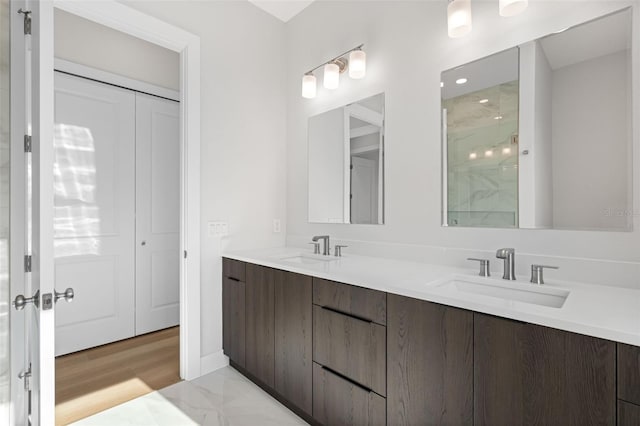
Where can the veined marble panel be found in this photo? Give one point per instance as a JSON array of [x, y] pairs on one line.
[[223, 397]]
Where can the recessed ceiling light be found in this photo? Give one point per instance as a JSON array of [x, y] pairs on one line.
[[488, 153], [497, 117], [472, 156], [506, 151], [483, 101], [461, 81]]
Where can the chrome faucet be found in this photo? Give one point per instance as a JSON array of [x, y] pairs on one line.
[[325, 247], [509, 257]]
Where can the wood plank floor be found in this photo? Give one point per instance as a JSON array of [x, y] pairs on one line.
[[93, 380]]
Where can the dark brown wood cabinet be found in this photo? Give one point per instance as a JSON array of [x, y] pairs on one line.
[[367, 304], [293, 341], [629, 373], [628, 414], [233, 312], [338, 401], [351, 346], [260, 337], [526, 374], [429, 363]]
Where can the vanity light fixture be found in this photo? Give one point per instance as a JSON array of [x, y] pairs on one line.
[[488, 153], [309, 86], [357, 65], [331, 76], [483, 101], [506, 151], [473, 156], [459, 14], [461, 81], [459, 18], [497, 117], [512, 7]]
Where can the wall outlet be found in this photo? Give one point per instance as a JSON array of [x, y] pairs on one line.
[[217, 229], [276, 226]]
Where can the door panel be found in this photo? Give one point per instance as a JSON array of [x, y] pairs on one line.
[[94, 211], [157, 213], [364, 191]]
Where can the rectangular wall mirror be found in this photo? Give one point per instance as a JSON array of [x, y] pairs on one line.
[[540, 135], [346, 163]]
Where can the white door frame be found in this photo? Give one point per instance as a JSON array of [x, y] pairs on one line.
[[130, 21]]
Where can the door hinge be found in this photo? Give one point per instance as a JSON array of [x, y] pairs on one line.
[[27, 21], [185, 254], [27, 143], [27, 263], [26, 375]]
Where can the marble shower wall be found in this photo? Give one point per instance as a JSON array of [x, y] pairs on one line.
[[482, 157]]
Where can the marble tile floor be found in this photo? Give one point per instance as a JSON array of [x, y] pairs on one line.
[[223, 397]]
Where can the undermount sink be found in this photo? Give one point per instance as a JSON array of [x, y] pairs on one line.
[[308, 259], [521, 292]]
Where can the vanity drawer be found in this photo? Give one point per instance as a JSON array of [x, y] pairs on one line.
[[352, 347], [628, 414], [629, 373], [357, 301], [338, 401], [234, 269]]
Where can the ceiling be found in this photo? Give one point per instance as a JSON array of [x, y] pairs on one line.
[[282, 9]]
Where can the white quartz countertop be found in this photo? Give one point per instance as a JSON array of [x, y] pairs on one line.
[[602, 311]]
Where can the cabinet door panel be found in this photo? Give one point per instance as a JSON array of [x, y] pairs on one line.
[[629, 373], [527, 374], [234, 269], [352, 347], [293, 344], [429, 363], [259, 357], [337, 401], [233, 319]]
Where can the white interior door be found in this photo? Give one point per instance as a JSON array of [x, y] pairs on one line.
[[364, 190], [94, 148], [157, 213], [32, 326]]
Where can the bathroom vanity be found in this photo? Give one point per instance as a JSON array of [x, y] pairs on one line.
[[369, 341]]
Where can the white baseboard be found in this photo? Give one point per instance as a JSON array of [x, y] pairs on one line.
[[213, 362]]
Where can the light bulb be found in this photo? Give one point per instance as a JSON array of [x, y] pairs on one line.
[[331, 76], [309, 86], [473, 156], [506, 151], [512, 7], [459, 18], [357, 64], [488, 153]]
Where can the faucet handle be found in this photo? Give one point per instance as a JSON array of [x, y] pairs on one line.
[[338, 250], [316, 248], [536, 273], [484, 266]]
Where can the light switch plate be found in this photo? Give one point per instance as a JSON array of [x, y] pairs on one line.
[[217, 229]]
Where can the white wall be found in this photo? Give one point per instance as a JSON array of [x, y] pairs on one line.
[[85, 42], [243, 135], [594, 153], [407, 48]]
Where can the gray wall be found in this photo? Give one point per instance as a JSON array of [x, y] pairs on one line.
[[85, 42]]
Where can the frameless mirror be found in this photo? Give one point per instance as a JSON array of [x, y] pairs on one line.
[[540, 135], [346, 163]]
